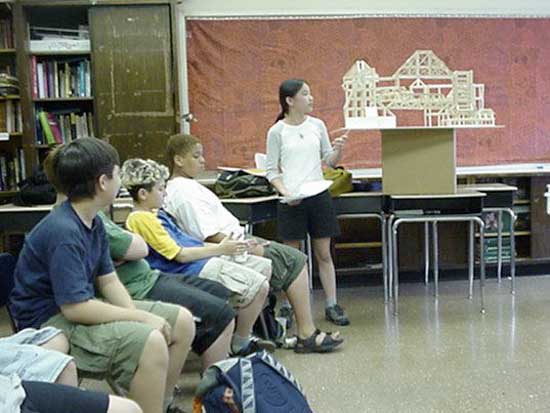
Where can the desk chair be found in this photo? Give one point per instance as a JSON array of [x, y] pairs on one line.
[[7, 268]]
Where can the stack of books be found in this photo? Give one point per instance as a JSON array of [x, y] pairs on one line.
[[12, 170], [11, 120], [61, 78], [55, 128], [6, 34]]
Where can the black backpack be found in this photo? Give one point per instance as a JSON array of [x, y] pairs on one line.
[[241, 184], [35, 190], [269, 326]]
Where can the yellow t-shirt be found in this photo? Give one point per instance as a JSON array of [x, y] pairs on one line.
[[147, 225]]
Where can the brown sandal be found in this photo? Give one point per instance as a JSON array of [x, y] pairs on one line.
[[310, 345]]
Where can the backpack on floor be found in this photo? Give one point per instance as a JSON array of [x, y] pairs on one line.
[[269, 326], [254, 384]]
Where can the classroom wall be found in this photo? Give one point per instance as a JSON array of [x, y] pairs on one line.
[[234, 67], [324, 7]]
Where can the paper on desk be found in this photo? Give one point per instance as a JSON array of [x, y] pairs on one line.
[[307, 190]]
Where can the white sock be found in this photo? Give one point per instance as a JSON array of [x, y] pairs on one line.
[[238, 342]]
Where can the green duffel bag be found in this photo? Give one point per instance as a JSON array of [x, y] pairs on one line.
[[341, 180], [241, 184]]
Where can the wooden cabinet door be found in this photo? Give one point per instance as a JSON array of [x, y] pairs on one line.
[[134, 78]]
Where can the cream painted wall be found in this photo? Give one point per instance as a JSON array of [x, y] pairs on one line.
[[197, 8]]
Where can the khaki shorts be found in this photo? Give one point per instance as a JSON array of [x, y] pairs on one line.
[[244, 283], [112, 350], [258, 264]]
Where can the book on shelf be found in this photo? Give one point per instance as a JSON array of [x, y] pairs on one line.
[[12, 170], [6, 34], [63, 126], [11, 120], [60, 78]]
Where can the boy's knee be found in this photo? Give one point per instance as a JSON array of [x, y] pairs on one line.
[[71, 370], [323, 256], [119, 404], [185, 322], [59, 343], [155, 351], [264, 289]]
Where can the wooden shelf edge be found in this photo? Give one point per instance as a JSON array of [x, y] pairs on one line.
[[61, 53], [73, 99]]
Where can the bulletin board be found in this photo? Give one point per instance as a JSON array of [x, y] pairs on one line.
[[235, 67]]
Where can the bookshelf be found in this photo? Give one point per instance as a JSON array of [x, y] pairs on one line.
[[12, 169], [60, 86], [56, 84]]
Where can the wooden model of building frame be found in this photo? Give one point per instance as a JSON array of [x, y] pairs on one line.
[[447, 98]]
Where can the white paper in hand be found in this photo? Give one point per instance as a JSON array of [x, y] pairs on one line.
[[307, 190]]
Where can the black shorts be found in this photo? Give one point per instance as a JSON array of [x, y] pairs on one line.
[[206, 299], [314, 215], [49, 398]]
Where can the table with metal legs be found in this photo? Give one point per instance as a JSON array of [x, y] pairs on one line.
[[500, 199], [366, 205], [464, 206]]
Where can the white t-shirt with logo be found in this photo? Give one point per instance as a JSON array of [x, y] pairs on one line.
[[198, 211]]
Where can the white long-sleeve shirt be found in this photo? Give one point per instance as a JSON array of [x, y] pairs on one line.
[[295, 152]]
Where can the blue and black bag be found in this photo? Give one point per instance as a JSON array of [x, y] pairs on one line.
[[257, 383]]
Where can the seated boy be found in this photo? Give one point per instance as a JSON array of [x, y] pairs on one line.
[[39, 355], [172, 251], [139, 346], [201, 214], [46, 378], [206, 299]]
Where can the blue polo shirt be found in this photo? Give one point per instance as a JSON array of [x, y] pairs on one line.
[[161, 263], [58, 265]]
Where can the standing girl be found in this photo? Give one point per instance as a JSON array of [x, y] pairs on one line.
[[297, 144]]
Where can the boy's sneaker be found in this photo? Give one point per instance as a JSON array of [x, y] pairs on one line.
[[336, 314], [173, 408], [287, 313], [255, 344]]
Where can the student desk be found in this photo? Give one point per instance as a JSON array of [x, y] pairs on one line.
[[366, 205], [500, 199], [464, 206], [23, 218], [354, 205], [251, 211]]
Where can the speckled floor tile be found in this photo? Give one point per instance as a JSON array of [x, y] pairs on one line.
[[436, 356]]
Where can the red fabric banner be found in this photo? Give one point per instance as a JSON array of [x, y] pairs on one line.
[[236, 66]]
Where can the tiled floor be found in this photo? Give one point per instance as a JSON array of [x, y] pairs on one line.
[[435, 356]]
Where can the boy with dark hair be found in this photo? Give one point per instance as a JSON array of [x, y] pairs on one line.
[[140, 347], [207, 300], [200, 213]]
